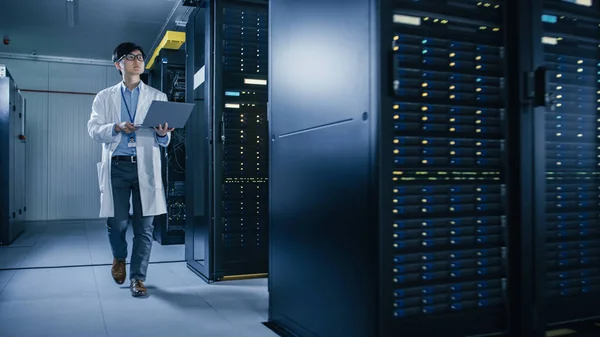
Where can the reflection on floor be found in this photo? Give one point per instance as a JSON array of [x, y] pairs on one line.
[[85, 301], [72, 243]]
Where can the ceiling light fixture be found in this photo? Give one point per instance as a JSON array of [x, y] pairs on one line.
[[72, 13]]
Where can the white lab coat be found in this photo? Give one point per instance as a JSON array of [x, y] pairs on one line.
[[106, 111]]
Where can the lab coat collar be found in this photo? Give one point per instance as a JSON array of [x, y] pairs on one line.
[[124, 87]]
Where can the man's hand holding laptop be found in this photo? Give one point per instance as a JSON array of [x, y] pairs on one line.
[[163, 131]]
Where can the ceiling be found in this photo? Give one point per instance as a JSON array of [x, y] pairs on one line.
[[41, 26]]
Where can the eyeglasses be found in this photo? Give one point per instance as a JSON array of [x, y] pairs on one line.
[[131, 57]]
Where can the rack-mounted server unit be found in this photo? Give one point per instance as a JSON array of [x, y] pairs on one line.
[[236, 64], [12, 157], [390, 184], [571, 55], [168, 75]]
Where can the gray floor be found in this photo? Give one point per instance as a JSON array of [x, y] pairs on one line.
[[72, 243], [85, 301]]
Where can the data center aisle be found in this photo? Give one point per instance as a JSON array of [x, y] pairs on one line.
[[85, 301], [72, 243]]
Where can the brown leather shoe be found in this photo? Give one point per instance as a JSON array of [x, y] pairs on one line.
[[118, 271], [137, 288]]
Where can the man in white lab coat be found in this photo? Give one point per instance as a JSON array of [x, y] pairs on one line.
[[130, 165]]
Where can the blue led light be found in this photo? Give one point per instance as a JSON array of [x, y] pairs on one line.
[[232, 93], [549, 18]]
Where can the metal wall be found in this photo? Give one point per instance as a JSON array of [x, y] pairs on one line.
[[61, 157]]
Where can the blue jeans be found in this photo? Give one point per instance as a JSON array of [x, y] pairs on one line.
[[125, 183]]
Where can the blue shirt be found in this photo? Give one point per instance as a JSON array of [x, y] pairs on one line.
[[129, 99]]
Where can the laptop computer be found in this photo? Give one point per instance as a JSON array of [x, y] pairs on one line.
[[176, 114]]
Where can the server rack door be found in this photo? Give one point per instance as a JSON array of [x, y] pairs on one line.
[[5, 215], [324, 264], [241, 148], [12, 110], [449, 192], [23, 182], [198, 231], [17, 158], [572, 59], [20, 160]]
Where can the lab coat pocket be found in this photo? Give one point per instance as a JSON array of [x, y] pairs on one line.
[[99, 167]]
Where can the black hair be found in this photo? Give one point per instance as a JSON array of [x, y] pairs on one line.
[[124, 49]]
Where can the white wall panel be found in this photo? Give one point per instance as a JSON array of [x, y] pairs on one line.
[[77, 77], [36, 148], [72, 156], [61, 157], [28, 74]]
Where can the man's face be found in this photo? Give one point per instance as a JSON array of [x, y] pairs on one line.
[[131, 63]]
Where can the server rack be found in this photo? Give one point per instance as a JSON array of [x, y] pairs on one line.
[[236, 100], [169, 76], [450, 218], [12, 157], [570, 65], [392, 143]]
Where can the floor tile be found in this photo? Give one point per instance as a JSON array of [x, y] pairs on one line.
[[51, 283], [12, 257], [5, 277], [166, 312], [50, 253], [184, 274], [55, 317], [29, 237]]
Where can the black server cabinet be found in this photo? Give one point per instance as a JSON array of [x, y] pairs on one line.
[[12, 157], [236, 100], [168, 75], [571, 65], [241, 147], [390, 184], [449, 178]]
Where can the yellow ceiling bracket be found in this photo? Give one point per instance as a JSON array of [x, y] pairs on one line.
[[171, 40]]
